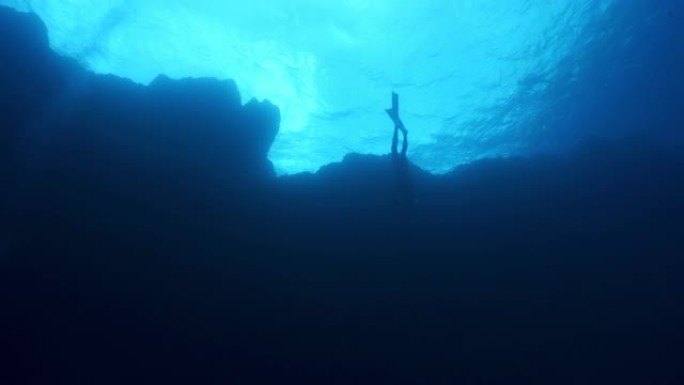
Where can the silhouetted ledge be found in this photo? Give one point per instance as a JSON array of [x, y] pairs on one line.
[[193, 127], [147, 238]]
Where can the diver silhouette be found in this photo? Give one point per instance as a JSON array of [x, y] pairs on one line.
[[404, 184]]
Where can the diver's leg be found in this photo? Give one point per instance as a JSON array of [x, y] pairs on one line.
[[404, 146], [395, 141]]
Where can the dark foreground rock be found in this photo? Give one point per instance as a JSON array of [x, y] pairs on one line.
[[145, 238]]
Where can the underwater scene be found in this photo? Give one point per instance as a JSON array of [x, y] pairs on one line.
[[342, 192]]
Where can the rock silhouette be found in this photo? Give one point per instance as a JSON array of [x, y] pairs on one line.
[[144, 235]]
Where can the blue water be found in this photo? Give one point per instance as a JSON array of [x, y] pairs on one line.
[[144, 232], [486, 78]]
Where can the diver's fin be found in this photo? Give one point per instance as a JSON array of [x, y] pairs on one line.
[[394, 111], [392, 114], [395, 102]]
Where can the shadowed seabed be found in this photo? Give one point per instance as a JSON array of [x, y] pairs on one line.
[[151, 241]]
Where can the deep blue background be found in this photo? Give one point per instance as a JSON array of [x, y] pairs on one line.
[[146, 238]]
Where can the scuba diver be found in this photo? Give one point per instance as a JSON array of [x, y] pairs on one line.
[[404, 184]]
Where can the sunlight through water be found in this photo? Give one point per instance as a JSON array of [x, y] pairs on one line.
[[471, 73]]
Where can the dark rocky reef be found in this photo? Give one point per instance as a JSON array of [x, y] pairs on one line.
[[54, 112], [145, 238]]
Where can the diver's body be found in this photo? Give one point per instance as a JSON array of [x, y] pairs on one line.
[[404, 184]]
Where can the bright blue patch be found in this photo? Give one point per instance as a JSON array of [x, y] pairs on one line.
[[469, 72]]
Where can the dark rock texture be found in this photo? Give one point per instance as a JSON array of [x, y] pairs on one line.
[[144, 237]]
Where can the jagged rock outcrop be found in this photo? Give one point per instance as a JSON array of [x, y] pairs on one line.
[[52, 111], [148, 239]]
